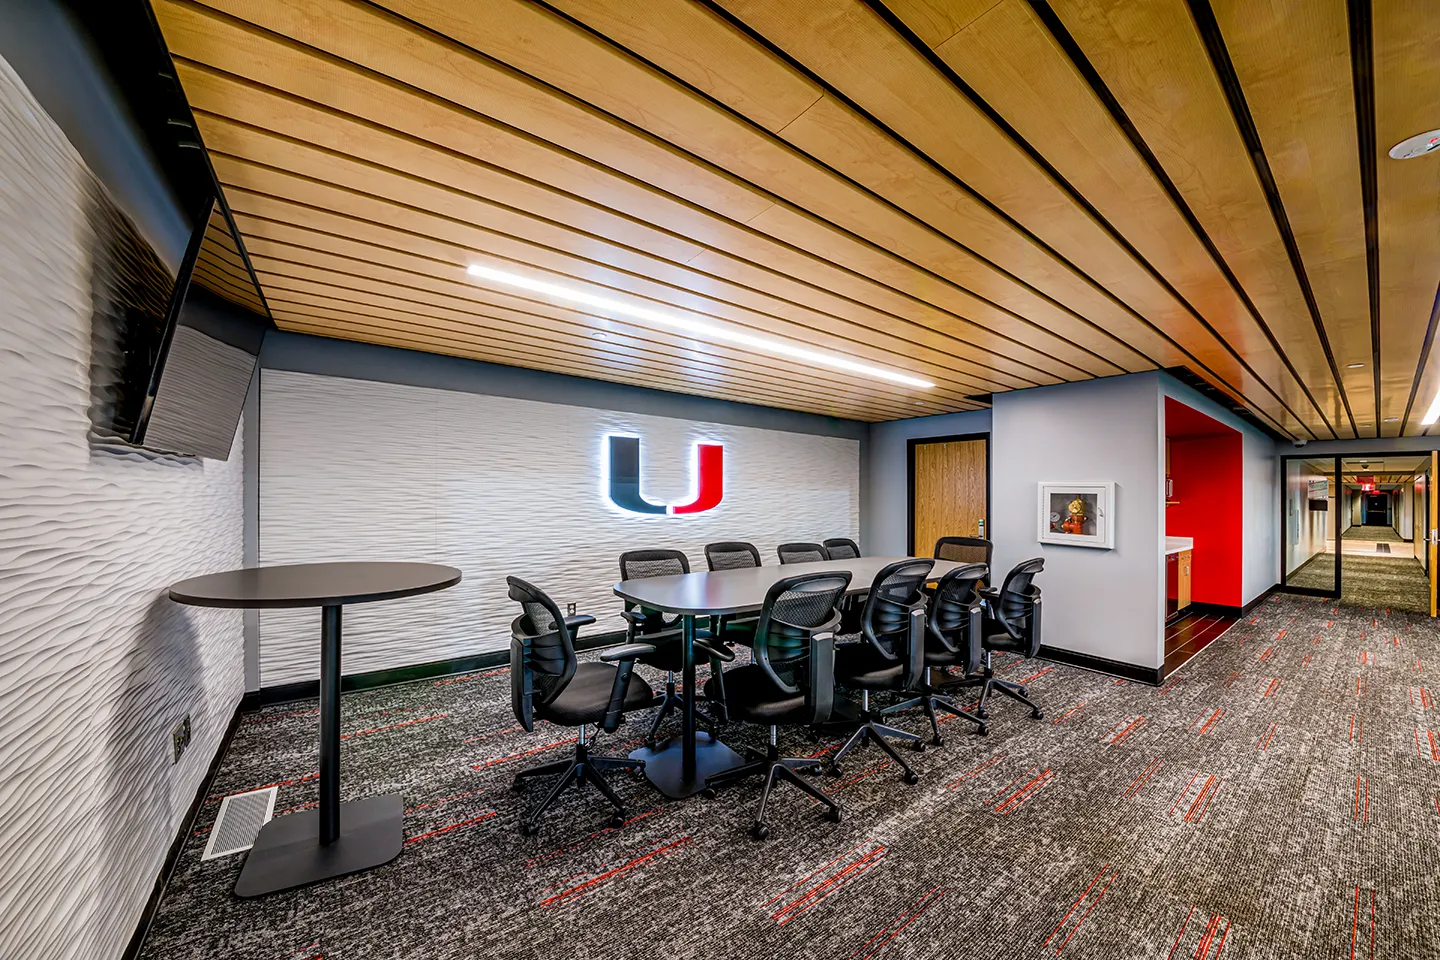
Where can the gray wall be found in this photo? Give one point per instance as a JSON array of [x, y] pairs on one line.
[[96, 665], [884, 521], [1104, 603]]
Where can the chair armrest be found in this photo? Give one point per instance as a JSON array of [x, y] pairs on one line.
[[576, 622], [713, 650], [626, 651]]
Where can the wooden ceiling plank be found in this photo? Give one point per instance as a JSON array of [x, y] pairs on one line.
[[497, 350], [293, 282], [861, 55], [363, 243], [225, 135], [1407, 88], [277, 242], [674, 377], [1293, 63], [476, 136], [266, 180], [1016, 65]]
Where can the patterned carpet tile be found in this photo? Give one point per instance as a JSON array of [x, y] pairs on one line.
[[1380, 534], [1279, 798]]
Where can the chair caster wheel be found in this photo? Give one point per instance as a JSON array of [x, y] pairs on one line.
[[709, 793], [1023, 692], [651, 743], [919, 746], [529, 829], [814, 735], [618, 820], [983, 731], [983, 715], [833, 814], [834, 769], [911, 778], [758, 831], [936, 742], [812, 769], [1038, 715]]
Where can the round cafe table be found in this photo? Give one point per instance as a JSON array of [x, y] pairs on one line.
[[335, 838]]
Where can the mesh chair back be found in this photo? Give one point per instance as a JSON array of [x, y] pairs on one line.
[[802, 552], [795, 610], [964, 550], [954, 595], [542, 652], [731, 555], [644, 564], [1018, 593], [893, 594], [842, 548]]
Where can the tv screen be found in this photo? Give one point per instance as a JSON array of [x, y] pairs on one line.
[[1319, 504], [170, 370]]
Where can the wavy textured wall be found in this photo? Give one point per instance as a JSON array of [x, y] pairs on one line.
[[496, 486], [95, 665]]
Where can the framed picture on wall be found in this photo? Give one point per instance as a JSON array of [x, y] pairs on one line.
[[1078, 514]]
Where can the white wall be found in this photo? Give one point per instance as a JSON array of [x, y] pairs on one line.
[[885, 521], [95, 664], [1305, 528], [1104, 603], [497, 485]]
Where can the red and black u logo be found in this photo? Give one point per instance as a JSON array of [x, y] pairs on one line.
[[624, 454]]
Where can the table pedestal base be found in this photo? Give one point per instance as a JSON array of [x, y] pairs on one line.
[[288, 853], [665, 765]]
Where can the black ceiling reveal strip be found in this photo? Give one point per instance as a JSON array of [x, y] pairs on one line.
[[1058, 30], [1240, 110], [1362, 71]]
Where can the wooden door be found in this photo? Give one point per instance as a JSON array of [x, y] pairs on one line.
[[949, 494]]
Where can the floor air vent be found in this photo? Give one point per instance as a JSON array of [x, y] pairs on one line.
[[239, 821], [1382, 548]]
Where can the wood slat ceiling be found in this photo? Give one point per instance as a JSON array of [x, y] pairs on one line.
[[988, 195]]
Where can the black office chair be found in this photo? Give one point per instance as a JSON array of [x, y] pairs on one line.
[[1012, 622], [791, 682], [802, 552], [890, 656], [643, 625], [842, 548], [954, 625], [547, 682], [964, 550], [733, 555]]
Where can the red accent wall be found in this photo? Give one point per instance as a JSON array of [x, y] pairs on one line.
[[1209, 484]]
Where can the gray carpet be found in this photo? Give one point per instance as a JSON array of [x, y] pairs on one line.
[[1280, 798], [1398, 583], [1374, 534]]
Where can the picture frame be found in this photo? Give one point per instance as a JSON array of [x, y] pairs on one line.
[[1092, 526]]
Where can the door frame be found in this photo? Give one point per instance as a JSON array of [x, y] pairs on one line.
[[910, 445], [1339, 458]]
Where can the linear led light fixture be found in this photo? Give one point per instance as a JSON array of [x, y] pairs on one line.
[[1433, 413], [700, 328]]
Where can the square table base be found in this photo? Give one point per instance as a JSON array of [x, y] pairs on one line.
[[288, 854], [664, 766]]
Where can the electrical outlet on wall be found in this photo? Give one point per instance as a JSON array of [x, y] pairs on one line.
[[179, 738], [569, 609]]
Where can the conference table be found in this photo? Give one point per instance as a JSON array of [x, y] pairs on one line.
[[681, 768], [336, 838]]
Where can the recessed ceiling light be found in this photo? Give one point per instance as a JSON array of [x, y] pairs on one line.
[[702, 328], [1353, 366], [1416, 146], [919, 403], [599, 335], [1391, 419]]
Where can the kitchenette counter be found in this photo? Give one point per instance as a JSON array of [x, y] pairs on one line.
[[1178, 544]]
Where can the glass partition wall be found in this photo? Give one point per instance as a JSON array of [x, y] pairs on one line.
[[1311, 525]]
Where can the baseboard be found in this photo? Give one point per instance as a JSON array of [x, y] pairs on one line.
[[310, 689], [1128, 671], [1266, 594], [187, 826], [1215, 609]]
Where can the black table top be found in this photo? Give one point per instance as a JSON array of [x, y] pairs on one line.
[[314, 584], [738, 591]]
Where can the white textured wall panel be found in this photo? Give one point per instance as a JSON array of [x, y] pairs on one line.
[[95, 665], [353, 469]]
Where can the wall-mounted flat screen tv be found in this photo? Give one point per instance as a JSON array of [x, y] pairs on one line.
[[171, 367], [1319, 504]]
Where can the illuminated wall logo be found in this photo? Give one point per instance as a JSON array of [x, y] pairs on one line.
[[624, 462]]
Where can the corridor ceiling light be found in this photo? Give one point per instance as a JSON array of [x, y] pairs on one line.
[[1433, 413], [701, 328], [1353, 366], [1416, 146]]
